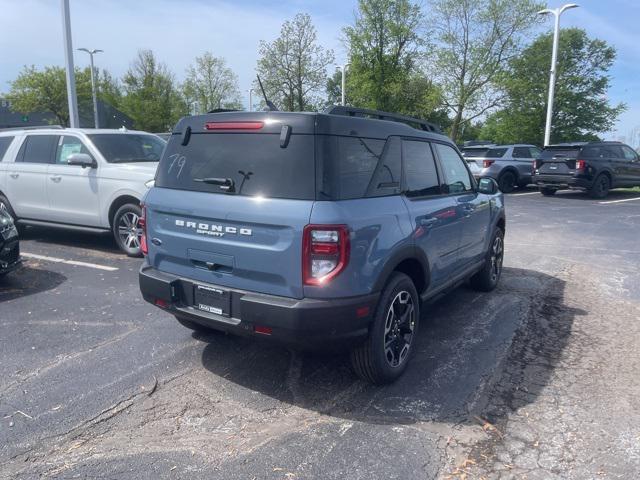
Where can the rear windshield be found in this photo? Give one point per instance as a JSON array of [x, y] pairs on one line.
[[240, 164], [128, 147], [474, 152], [549, 153], [496, 152]]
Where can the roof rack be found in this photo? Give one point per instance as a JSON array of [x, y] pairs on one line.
[[394, 117], [33, 127]]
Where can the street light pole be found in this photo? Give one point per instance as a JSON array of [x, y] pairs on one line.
[[251, 99], [344, 81], [93, 84], [68, 56], [554, 57]]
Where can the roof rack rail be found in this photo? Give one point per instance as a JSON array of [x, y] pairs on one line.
[[394, 117], [33, 127]]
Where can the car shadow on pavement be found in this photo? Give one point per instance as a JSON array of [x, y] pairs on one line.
[[465, 343], [28, 281], [100, 242]]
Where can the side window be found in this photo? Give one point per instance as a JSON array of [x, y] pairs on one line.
[[37, 149], [4, 145], [358, 159], [629, 154], [386, 178], [590, 152], [419, 169], [535, 152], [521, 152], [456, 175], [610, 151], [68, 146]]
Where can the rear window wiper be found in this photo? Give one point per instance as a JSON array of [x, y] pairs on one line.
[[226, 184]]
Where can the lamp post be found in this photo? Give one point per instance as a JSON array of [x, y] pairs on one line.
[[554, 57], [93, 84], [68, 56], [343, 68], [251, 99]]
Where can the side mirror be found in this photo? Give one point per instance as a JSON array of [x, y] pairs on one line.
[[83, 159], [488, 186]]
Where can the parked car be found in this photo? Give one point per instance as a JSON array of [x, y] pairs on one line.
[[316, 229], [79, 179], [510, 165], [594, 167], [9, 244]]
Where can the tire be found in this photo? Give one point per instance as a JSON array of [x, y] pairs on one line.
[[548, 192], [4, 203], [383, 357], [487, 279], [601, 186], [125, 229], [507, 181], [196, 327]]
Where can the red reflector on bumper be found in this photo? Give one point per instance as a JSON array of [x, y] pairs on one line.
[[262, 330], [161, 303], [362, 312]]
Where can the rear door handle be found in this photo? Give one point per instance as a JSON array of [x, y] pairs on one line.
[[56, 178], [14, 175]]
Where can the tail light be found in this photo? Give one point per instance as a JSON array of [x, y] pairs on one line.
[[325, 253], [142, 225], [487, 163], [581, 164], [536, 164]]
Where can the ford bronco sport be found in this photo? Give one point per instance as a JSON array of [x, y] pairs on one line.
[[316, 228]]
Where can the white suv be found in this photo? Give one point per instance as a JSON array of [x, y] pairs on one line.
[[82, 179]]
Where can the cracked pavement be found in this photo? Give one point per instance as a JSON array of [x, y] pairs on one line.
[[537, 380]]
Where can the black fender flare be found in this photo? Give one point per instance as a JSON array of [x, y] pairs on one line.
[[408, 252]]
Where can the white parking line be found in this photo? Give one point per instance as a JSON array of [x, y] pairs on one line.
[[619, 201], [523, 194], [69, 262]]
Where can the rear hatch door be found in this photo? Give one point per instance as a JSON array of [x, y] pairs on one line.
[[559, 160], [229, 207]]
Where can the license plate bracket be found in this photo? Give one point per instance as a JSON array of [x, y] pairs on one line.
[[212, 300]]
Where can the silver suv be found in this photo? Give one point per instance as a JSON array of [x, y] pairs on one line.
[[80, 179], [510, 165]]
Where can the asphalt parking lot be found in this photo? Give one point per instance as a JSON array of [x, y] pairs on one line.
[[536, 380]]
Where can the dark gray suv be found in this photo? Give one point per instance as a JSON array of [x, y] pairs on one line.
[[316, 229]]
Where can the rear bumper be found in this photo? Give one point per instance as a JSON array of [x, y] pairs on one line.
[[303, 322], [562, 181]]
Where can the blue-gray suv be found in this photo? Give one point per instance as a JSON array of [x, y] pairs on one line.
[[316, 229]]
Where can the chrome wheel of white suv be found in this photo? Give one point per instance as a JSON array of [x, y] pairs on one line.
[[126, 229]]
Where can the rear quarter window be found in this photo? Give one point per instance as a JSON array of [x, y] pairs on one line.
[[4, 145], [496, 152], [255, 163]]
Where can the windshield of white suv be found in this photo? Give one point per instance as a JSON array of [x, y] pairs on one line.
[[128, 147]]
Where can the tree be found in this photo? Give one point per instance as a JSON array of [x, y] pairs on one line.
[[581, 108], [475, 39], [151, 98], [211, 84], [385, 49], [293, 68], [46, 91]]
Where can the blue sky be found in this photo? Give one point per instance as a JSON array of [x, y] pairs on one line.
[[177, 31]]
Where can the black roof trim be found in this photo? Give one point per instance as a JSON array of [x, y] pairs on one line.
[[379, 115]]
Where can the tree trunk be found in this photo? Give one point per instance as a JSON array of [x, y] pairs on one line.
[[455, 126]]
